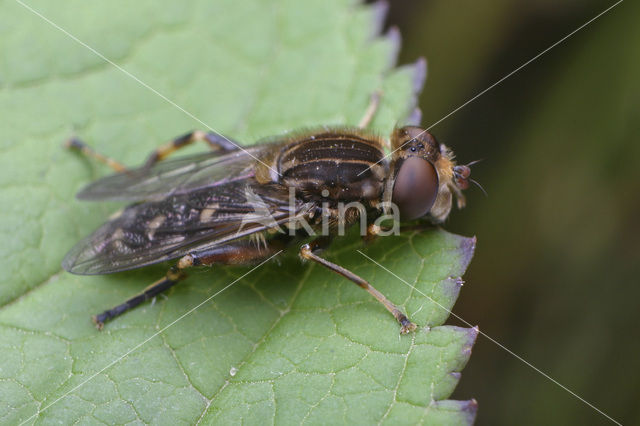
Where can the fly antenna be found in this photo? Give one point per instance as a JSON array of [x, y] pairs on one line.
[[480, 186], [475, 162]]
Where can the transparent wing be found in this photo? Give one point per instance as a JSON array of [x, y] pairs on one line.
[[157, 231], [175, 177]]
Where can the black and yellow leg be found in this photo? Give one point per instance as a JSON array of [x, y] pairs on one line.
[[77, 144], [307, 252], [240, 253], [174, 275], [214, 140]]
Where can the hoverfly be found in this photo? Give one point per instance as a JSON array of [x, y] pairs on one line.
[[200, 209]]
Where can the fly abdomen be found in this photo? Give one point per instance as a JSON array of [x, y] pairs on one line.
[[338, 166]]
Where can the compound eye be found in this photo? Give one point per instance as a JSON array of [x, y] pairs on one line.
[[415, 189]]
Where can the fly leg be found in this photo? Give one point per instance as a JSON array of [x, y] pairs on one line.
[[173, 276], [307, 252], [86, 150], [239, 253], [374, 102], [374, 230], [215, 141]]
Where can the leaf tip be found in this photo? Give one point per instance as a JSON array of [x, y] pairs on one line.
[[395, 39], [472, 336], [419, 74], [470, 408], [380, 10], [467, 408], [467, 249]]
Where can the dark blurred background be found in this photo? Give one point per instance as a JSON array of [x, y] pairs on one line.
[[555, 275]]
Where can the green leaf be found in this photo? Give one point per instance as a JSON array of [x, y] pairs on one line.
[[290, 342]]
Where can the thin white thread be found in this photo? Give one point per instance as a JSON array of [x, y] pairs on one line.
[[142, 83], [151, 337], [498, 82], [497, 343]]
